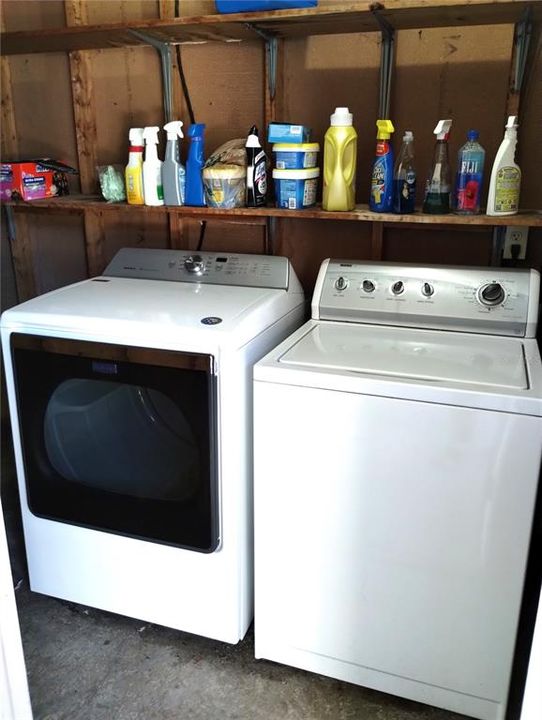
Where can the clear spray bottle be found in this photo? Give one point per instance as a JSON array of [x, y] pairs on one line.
[[404, 177], [438, 186]]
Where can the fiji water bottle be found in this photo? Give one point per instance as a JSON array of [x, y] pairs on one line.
[[468, 180]]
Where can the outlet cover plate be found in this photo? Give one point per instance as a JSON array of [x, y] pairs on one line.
[[515, 235]]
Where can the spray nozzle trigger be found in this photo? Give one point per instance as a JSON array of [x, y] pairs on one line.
[[385, 129], [150, 135], [443, 129], [174, 129]]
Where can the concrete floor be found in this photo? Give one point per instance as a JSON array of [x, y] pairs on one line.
[[85, 664]]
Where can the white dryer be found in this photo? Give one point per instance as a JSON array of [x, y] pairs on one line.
[[392, 529], [131, 406]]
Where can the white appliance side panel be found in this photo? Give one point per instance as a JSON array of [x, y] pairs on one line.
[[392, 535]]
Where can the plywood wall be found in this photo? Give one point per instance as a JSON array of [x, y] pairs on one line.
[[447, 72]]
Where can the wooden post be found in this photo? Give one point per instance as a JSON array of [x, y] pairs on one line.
[[19, 237], [273, 106], [377, 240], [86, 137]]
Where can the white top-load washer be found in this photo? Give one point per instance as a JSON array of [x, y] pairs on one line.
[[131, 406], [392, 530]]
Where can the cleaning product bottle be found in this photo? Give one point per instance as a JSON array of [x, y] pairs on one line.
[[340, 150], [133, 173], [470, 172], [195, 194], [381, 197], [173, 173], [505, 182], [437, 188], [404, 177], [256, 170], [152, 168]]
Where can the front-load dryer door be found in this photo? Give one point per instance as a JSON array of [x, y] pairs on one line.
[[120, 439]]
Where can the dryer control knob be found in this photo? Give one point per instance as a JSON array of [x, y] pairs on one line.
[[341, 284], [368, 286], [194, 264], [398, 287], [492, 294]]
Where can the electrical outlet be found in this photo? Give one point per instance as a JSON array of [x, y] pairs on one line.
[[515, 242]]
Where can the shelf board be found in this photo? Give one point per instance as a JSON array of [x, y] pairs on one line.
[[337, 18], [79, 203]]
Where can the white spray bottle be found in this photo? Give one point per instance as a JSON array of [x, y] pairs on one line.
[[152, 168], [173, 173], [505, 182]]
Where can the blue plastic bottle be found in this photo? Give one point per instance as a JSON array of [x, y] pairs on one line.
[[194, 192], [381, 199], [470, 173]]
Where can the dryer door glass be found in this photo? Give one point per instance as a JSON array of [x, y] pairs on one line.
[[120, 439]]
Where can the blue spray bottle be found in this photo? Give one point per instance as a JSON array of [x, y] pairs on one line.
[[381, 199], [194, 193]]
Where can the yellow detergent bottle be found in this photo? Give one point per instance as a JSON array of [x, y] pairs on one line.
[[340, 151]]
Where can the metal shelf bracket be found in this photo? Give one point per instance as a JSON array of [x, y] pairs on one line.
[[387, 51], [164, 50], [271, 46]]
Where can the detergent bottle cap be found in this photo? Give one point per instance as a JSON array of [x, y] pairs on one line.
[[408, 136], [174, 129], [442, 129], [135, 137], [385, 129], [341, 117], [150, 135], [196, 130]]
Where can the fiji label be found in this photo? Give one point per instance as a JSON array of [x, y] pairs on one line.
[[468, 186], [507, 189]]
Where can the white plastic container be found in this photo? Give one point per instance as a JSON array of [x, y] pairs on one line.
[[296, 189], [505, 182], [296, 156], [152, 168]]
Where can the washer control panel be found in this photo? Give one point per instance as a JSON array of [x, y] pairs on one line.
[[264, 271], [499, 301]]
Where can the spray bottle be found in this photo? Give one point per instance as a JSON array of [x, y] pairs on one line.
[[173, 173], [152, 168], [404, 177], [195, 194], [133, 173], [505, 183], [438, 186], [381, 198], [340, 151], [256, 170]]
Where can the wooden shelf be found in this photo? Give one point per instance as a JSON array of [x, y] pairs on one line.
[[81, 203], [341, 17]]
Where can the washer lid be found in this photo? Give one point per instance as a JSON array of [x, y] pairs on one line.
[[422, 355]]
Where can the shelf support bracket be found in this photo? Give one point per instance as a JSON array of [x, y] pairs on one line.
[[164, 50], [387, 51], [271, 47], [522, 37]]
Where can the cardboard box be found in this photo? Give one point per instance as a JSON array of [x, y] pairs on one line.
[[33, 179], [288, 133]]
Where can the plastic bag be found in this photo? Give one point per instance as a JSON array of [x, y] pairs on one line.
[[112, 182], [229, 153]]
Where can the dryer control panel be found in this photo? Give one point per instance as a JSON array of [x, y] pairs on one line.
[[496, 301], [263, 271]]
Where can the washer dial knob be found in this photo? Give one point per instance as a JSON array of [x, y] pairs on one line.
[[194, 264], [398, 287], [341, 284], [492, 294], [428, 289], [368, 286]]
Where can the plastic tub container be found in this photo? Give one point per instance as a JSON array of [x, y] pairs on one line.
[[296, 189], [292, 156], [224, 186]]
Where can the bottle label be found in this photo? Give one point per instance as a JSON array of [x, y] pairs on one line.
[[260, 177], [468, 186], [507, 189], [378, 181], [405, 193]]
